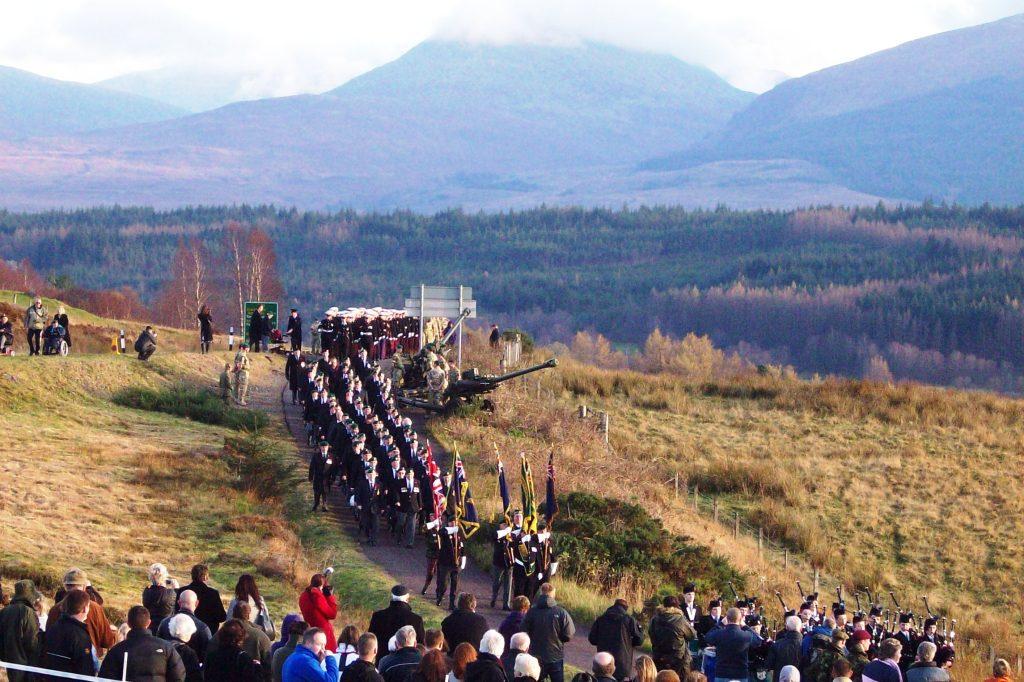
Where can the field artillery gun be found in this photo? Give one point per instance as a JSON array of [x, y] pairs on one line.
[[466, 390]]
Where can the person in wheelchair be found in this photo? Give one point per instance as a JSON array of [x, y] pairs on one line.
[[54, 342], [6, 335]]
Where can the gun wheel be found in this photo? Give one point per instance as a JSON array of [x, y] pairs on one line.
[[487, 405]]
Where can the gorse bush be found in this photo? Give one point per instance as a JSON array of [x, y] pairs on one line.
[[192, 403], [264, 467], [606, 542]]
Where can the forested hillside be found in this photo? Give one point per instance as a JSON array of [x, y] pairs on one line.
[[929, 293]]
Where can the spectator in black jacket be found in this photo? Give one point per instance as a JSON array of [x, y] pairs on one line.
[[160, 596], [487, 666], [386, 622], [617, 632], [256, 327], [67, 647], [294, 329], [550, 627], [200, 641], [181, 629], [400, 665], [19, 629], [362, 670], [786, 649], [6, 334], [150, 659], [145, 345], [228, 660], [210, 608], [519, 643], [464, 624]]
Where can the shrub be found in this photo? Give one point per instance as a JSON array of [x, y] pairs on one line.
[[264, 468], [192, 403], [607, 543]]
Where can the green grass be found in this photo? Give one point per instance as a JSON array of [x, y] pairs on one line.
[[192, 403]]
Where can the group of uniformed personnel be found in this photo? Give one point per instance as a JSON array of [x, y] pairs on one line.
[[521, 561]]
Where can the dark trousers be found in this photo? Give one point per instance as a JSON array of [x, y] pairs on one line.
[[554, 671], [147, 352], [369, 523], [501, 582], [520, 581], [34, 335], [431, 570], [296, 344], [407, 528], [446, 574], [319, 494]]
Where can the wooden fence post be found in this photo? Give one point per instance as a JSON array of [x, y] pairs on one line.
[[736, 526], [715, 507], [785, 558], [677, 484], [696, 494], [816, 576], [760, 540]]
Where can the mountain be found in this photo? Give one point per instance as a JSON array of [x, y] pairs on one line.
[[445, 124], [33, 105], [191, 89], [941, 117]]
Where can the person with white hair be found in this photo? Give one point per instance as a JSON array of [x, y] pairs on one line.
[[159, 596], [924, 669], [527, 668], [400, 665], [200, 641], [181, 629], [487, 666], [789, 673], [786, 648], [519, 643], [603, 666]]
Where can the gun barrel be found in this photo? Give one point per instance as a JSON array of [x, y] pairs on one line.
[[553, 362]]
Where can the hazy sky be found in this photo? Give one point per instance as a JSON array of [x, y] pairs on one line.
[[311, 46]]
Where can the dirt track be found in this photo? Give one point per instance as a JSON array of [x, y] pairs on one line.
[[407, 566]]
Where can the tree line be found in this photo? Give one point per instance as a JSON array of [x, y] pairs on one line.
[[927, 292]]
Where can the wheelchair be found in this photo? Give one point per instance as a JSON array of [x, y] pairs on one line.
[[55, 343]]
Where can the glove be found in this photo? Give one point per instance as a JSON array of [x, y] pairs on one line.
[[327, 590]]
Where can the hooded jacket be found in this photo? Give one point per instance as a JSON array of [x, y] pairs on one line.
[[550, 627], [670, 633], [19, 636], [150, 659], [617, 632]]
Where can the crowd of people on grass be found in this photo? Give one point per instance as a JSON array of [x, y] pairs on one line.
[[184, 633]]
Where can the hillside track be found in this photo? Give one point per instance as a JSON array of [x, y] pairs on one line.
[[406, 566]]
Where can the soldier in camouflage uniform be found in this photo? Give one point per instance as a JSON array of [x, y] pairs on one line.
[[242, 374], [820, 667]]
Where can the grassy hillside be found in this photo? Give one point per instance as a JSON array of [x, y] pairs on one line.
[[93, 334], [112, 489], [901, 487]]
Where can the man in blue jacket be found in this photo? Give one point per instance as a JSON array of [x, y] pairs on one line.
[[304, 664], [732, 643]]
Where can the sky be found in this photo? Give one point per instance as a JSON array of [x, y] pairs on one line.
[[312, 46]]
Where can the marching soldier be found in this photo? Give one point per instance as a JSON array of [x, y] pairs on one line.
[[543, 558], [450, 560], [369, 498], [318, 467], [709, 621], [522, 556], [408, 506], [905, 636], [501, 568], [433, 538], [242, 374]]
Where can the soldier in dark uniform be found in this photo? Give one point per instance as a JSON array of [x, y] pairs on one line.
[[544, 559], [757, 656], [691, 609], [450, 559], [709, 621], [905, 636], [369, 498], [522, 556], [318, 467], [408, 506], [295, 329], [501, 568], [433, 538]]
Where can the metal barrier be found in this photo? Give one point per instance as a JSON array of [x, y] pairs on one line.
[[67, 676]]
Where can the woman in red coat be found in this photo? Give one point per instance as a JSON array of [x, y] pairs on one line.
[[319, 608]]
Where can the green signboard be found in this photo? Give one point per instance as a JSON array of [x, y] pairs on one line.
[[269, 309]]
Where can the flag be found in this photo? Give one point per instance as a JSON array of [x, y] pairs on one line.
[[506, 499], [462, 498], [529, 501], [551, 503], [436, 486]]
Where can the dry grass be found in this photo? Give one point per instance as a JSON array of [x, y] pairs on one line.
[[910, 488]]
